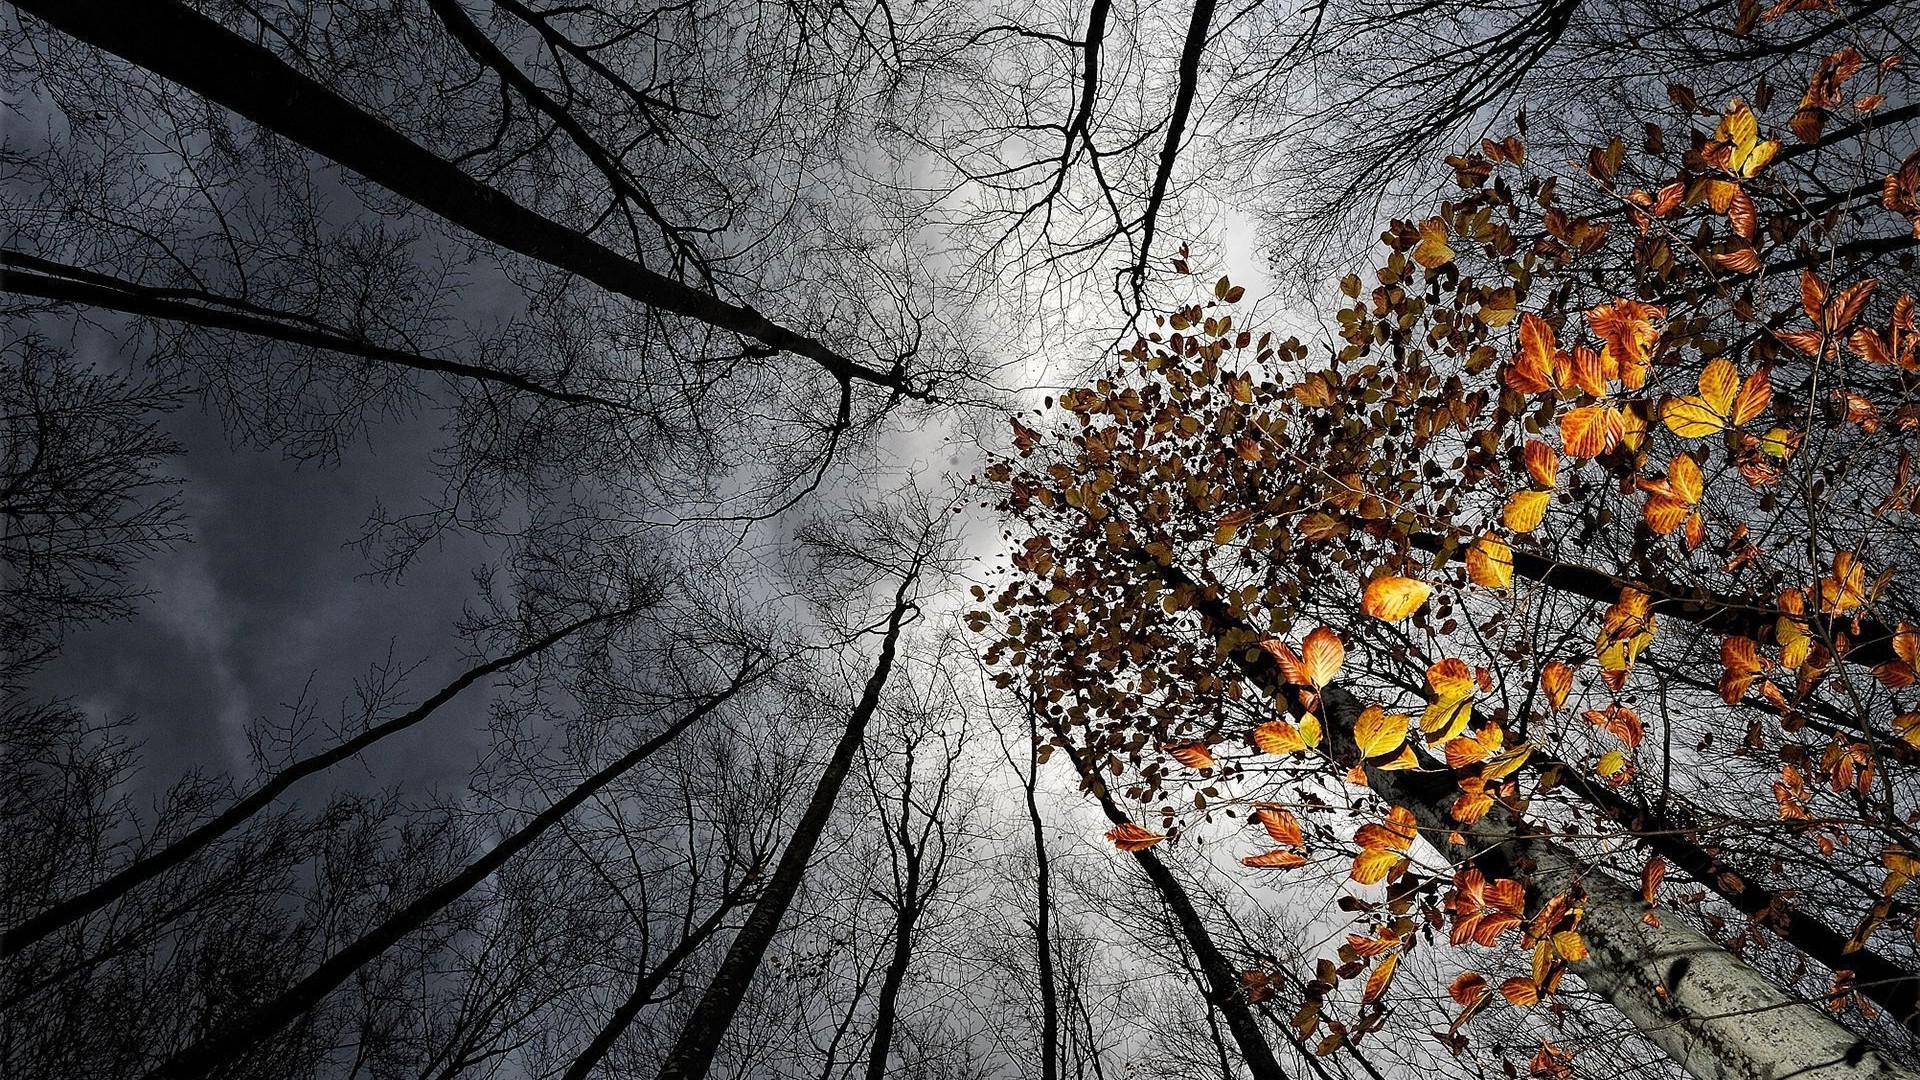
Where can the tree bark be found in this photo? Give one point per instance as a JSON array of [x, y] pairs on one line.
[[1043, 917], [234, 1038], [692, 1054], [198, 53]]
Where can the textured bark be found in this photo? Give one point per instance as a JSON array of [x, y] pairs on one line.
[[221, 1046], [1223, 984], [185, 47], [692, 1054], [146, 869]]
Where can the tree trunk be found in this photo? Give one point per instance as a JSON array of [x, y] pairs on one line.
[[1223, 982], [234, 1038], [1043, 918], [692, 1055], [30, 275], [1714, 1015], [146, 869], [181, 45], [642, 994]]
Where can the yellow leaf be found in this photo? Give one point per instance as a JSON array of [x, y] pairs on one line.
[[1907, 726], [1451, 679], [1611, 763], [1391, 598], [1696, 416], [1684, 477], [1570, 945], [1526, 510], [1443, 720], [1405, 760], [1278, 737], [1377, 982], [1377, 733], [1490, 562], [1432, 251], [1310, 729], [1375, 865]]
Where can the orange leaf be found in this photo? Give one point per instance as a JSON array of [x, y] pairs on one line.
[[1521, 991], [1391, 598], [1556, 679], [1321, 655], [1467, 988], [1377, 982], [1281, 825], [1432, 251], [1451, 679], [1274, 860], [1591, 431], [1542, 463], [1375, 865], [1531, 371], [1278, 737], [1192, 755], [1131, 837]]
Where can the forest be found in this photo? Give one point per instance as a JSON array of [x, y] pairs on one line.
[[962, 540]]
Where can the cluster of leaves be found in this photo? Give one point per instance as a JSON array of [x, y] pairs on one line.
[[1688, 385]]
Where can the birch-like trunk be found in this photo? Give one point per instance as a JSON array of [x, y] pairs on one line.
[[1717, 1017]]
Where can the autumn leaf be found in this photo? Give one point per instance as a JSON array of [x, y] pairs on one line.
[[1377, 982], [1542, 463], [1375, 865], [1432, 251], [1379, 733], [1451, 679], [1281, 825], [1590, 431], [1723, 401], [1556, 678], [1467, 988], [1321, 655], [1274, 860], [1192, 755], [1526, 510], [1130, 837], [1490, 562], [1278, 737], [1391, 598], [1532, 369], [1521, 991]]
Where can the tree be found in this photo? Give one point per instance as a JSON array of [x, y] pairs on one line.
[[1194, 507]]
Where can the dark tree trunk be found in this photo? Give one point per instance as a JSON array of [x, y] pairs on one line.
[[692, 1054], [1223, 983]]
